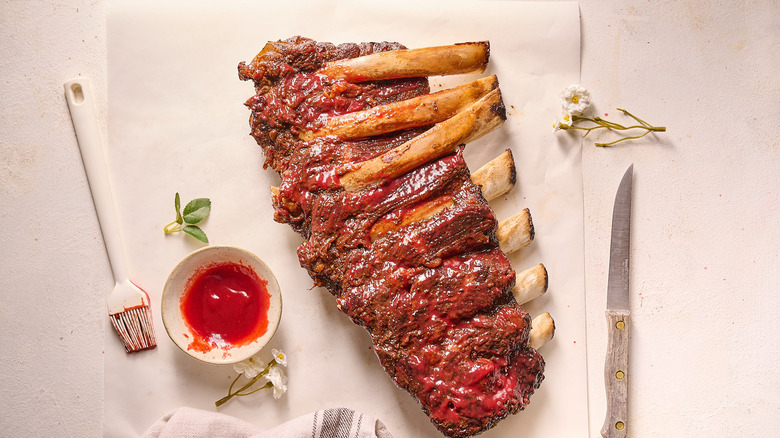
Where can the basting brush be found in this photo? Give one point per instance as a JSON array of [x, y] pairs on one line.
[[128, 305]]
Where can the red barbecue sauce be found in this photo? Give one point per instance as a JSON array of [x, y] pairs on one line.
[[225, 305]]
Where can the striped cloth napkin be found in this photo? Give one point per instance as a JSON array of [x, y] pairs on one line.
[[330, 423]]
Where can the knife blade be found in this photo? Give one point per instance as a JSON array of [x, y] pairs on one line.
[[616, 362]]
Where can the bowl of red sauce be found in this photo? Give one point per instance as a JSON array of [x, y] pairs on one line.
[[221, 304]]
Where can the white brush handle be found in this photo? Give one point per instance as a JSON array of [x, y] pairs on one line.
[[78, 93]]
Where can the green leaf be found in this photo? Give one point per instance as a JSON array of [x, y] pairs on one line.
[[197, 210], [196, 232], [177, 205]]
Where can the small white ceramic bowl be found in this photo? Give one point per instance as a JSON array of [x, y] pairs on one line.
[[176, 286]]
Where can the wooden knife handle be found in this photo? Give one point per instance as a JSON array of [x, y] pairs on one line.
[[616, 375]]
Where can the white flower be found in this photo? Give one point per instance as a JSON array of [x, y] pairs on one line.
[[575, 99], [250, 367], [279, 357], [557, 125], [562, 124], [279, 380]]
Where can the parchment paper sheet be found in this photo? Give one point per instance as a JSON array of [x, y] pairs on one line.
[[177, 123]]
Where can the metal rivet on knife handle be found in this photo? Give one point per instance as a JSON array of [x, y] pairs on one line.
[[616, 375]]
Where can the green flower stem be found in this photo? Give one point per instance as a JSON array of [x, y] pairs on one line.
[[606, 124], [172, 227], [266, 386], [635, 117], [231, 394], [239, 392], [622, 139]]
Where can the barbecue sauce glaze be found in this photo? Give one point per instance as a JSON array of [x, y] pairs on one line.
[[434, 294]]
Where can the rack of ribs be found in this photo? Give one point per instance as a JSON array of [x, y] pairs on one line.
[[394, 224]]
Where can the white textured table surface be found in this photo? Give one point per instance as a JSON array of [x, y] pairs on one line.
[[706, 233]]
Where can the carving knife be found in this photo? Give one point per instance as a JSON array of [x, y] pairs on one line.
[[616, 364]]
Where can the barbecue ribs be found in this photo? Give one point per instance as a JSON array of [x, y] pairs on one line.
[[393, 226]]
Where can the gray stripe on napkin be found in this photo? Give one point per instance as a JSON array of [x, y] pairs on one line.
[[359, 423], [336, 423]]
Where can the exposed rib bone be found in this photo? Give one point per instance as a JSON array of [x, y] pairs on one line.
[[530, 284], [497, 176], [429, 61], [542, 330], [515, 232], [473, 122], [418, 111]]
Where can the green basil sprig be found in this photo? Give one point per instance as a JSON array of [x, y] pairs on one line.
[[194, 212]]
